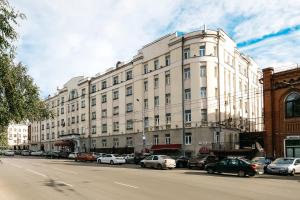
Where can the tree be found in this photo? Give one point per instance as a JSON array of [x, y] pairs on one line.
[[19, 95]]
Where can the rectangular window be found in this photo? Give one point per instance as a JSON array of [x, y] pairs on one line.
[[167, 139], [155, 139], [168, 60], [203, 71], [129, 91], [216, 93], [188, 116], [116, 142], [104, 128], [145, 68], [93, 129], [103, 98], [203, 92], [156, 101], [187, 73], [61, 110], [129, 142], [168, 118], [83, 104], [77, 119], [145, 104], [116, 126], [216, 72], [156, 120], [187, 94], [156, 82], [94, 88], [115, 94], [168, 78], [82, 130], [103, 84], [202, 50], [204, 115], [129, 107], [186, 53], [104, 113], [145, 85], [168, 99], [104, 143], [82, 117], [156, 64], [93, 115], [115, 80], [128, 75], [188, 138], [93, 101], [146, 122], [129, 124], [116, 110]]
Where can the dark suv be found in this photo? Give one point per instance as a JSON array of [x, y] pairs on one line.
[[201, 160]]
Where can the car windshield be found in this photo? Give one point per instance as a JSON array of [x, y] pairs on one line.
[[284, 161], [166, 157], [258, 160]]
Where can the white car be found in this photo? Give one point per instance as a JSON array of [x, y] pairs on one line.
[[72, 155], [37, 153], [159, 162], [111, 159], [286, 166], [25, 153], [9, 153]]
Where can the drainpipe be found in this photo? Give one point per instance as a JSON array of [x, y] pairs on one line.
[[182, 97], [89, 118], [219, 91]]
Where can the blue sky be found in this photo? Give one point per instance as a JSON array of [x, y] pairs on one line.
[[65, 38]]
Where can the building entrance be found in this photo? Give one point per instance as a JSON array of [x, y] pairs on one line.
[[292, 147]]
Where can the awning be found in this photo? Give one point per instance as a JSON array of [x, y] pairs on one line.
[[204, 150], [161, 147], [64, 143]]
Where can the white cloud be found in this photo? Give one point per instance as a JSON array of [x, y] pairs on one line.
[[65, 38]]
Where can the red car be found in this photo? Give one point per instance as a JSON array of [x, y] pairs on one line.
[[86, 157]]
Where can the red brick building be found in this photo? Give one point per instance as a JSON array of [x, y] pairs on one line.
[[282, 112]]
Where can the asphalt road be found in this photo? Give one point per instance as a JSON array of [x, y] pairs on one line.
[[31, 178]]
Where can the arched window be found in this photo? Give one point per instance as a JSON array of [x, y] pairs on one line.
[[292, 105]]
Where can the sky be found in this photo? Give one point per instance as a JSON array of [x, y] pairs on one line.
[[60, 39]]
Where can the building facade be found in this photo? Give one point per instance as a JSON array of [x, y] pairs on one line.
[[181, 92], [282, 112], [17, 135]]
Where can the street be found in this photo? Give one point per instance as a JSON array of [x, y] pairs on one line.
[[33, 178]]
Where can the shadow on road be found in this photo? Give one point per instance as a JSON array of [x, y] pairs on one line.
[[56, 185]]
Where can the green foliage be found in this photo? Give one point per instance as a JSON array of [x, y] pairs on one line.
[[19, 96]]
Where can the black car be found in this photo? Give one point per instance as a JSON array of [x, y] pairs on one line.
[[52, 154], [239, 166], [201, 160], [182, 162]]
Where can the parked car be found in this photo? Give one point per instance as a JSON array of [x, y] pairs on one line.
[[9, 153], [200, 161], [85, 157], [25, 153], [63, 154], [129, 158], [182, 162], [261, 163], [286, 166], [72, 155], [111, 159], [239, 166], [52, 154], [18, 152], [159, 162], [139, 157]]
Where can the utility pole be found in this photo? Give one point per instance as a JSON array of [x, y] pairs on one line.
[[143, 124]]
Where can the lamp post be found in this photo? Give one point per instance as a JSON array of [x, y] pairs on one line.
[[143, 125]]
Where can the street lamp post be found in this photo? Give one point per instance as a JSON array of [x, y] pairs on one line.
[[143, 125]]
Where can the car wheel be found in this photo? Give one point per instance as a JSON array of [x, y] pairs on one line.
[[111, 162], [180, 165], [251, 174], [159, 166], [142, 165], [292, 172], [241, 173], [99, 161], [210, 171]]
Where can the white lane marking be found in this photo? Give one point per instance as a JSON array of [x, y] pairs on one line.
[[71, 172], [126, 185], [64, 183], [18, 166], [36, 173]]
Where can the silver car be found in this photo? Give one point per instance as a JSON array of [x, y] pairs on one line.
[[9, 153], [286, 166], [158, 162]]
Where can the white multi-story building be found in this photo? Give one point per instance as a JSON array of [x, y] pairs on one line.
[[187, 91], [17, 135]]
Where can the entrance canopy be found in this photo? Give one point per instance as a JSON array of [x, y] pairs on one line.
[[64, 143], [161, 147]]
